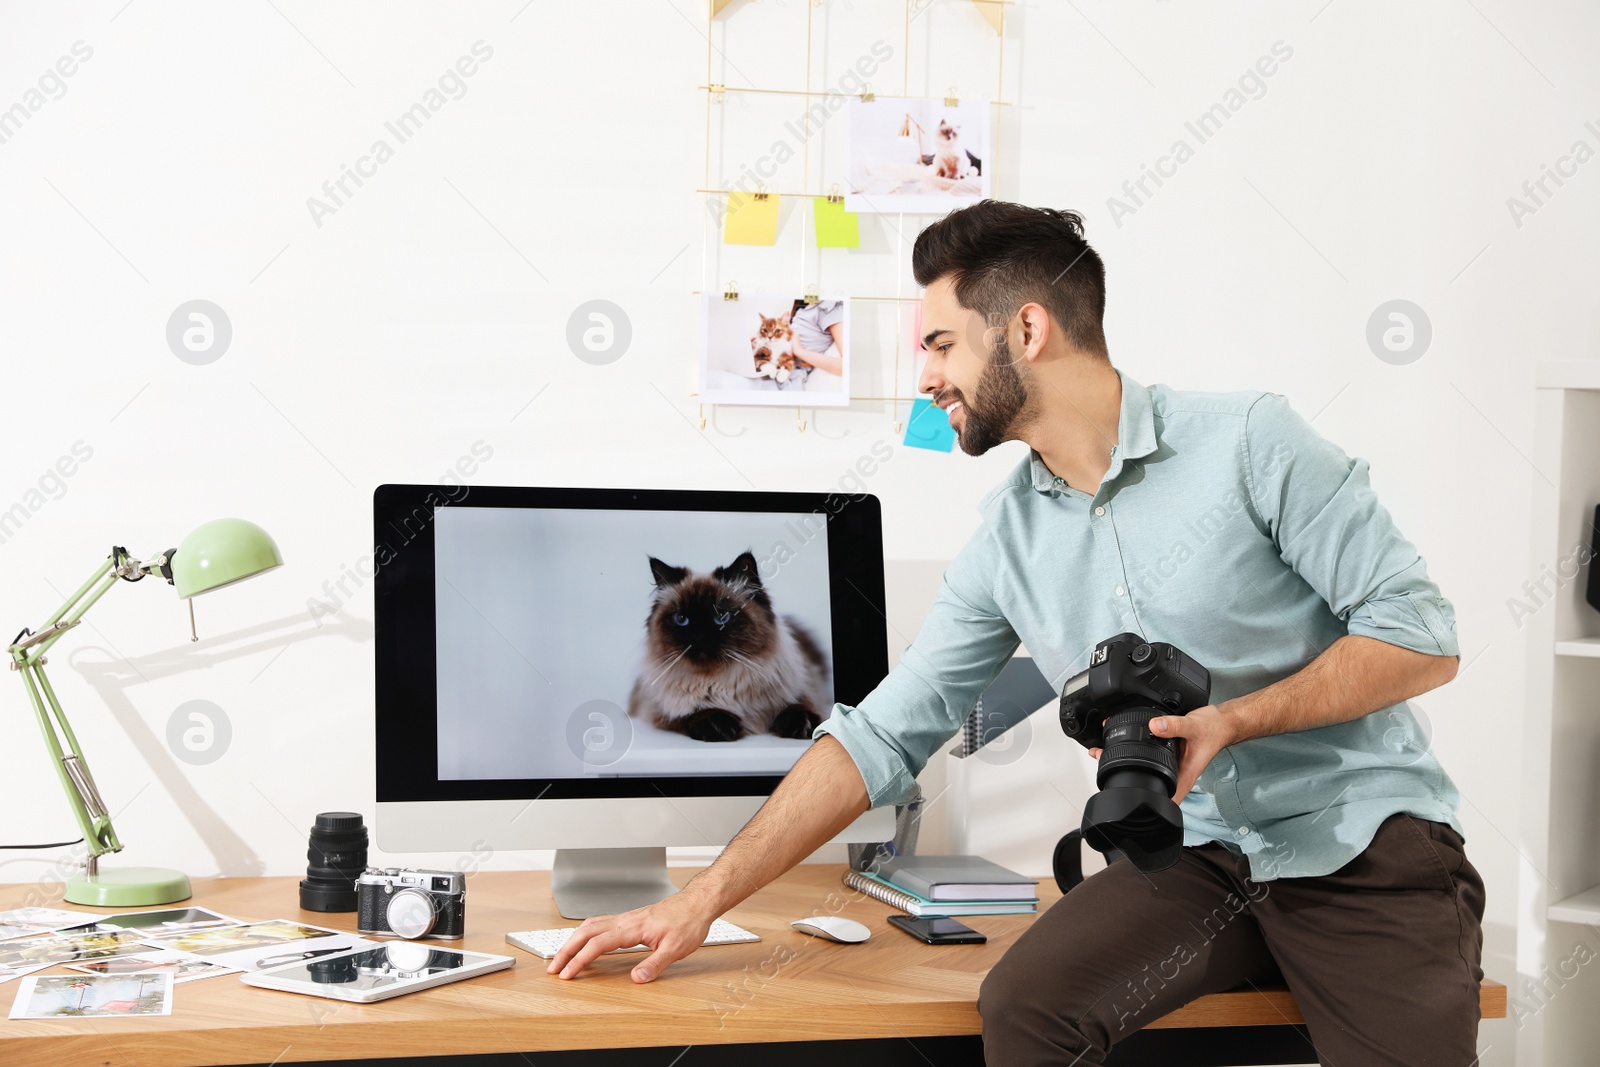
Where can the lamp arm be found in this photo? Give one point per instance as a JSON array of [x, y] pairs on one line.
[[76, 781], [28, 658]]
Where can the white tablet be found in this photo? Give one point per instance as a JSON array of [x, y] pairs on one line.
[[376, 972]]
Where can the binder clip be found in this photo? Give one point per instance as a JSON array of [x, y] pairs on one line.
[[867, 95], [834, 195], [951, 100], [811, 296], [731, 292]]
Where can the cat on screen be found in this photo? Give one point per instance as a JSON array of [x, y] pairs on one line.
[[720, 664]]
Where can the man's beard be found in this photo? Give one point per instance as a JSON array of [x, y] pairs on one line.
[[1002, 404]]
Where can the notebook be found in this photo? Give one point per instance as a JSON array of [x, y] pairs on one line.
[[938, 878], [912, 904]]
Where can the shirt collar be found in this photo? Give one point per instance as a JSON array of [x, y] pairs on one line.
[[1136, 436]]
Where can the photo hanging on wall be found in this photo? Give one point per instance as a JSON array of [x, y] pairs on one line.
[[773, 348], [915, 155]]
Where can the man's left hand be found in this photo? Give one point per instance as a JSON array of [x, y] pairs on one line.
[[1205, 732]]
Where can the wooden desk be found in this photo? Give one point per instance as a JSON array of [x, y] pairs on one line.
[[890, 1000]]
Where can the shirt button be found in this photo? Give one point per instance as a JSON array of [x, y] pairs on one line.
[[1100, 511], [1121, 591]]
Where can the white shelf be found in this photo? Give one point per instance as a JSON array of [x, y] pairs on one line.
[[1568, 374], [1583, 907], [1561, 732]]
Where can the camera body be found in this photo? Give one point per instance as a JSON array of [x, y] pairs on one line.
[[1109, 706], [1126, 672], [413, 904]]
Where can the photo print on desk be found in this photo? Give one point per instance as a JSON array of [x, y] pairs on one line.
[[918, 155], [774, 349], [25, 922], [87, 996], [70, 948], [248, 948], [164, 921], [183, 968]]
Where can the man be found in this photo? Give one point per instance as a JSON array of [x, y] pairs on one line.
[[1323, 845]]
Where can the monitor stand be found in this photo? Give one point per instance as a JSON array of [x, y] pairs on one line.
[[605, 881]]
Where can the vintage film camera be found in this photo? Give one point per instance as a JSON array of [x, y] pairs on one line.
[[412, 904]]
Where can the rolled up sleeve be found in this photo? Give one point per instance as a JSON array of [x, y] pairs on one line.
[[962, 646], [1325, 519]]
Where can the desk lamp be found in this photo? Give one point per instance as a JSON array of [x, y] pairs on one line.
[[216, 554]]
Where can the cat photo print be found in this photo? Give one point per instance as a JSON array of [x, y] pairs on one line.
[[765, 349], [920, 155]]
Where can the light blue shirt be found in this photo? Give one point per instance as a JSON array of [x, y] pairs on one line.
[[1229, 527]]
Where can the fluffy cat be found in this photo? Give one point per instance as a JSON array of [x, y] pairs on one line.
[[720, 664], [773, 347], [950, 160]]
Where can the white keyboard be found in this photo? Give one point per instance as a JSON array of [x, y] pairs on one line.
[[547, 942]]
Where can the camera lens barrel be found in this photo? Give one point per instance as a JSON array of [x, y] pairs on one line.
[[1130, 746], [335, 858], [1133, 813]]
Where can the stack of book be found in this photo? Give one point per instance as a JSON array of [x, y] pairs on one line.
[[938, 886]]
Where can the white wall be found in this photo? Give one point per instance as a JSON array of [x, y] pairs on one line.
[[429, 312]]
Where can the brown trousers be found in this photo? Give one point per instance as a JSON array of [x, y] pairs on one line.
[[1382, 955]]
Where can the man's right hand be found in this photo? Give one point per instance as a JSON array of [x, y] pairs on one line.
[[673, 928], [820, 796]]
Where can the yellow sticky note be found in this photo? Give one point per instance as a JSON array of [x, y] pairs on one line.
[[836, 227], [751, 220]]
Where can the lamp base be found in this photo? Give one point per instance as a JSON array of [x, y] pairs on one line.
[[129, 887]]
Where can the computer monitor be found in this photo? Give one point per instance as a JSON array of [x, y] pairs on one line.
[[607, 672]]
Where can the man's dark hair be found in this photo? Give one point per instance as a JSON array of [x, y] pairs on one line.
[[1000, 256]]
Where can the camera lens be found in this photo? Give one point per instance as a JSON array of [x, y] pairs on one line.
[[1130, 746], [335, 858], [1133, 813], [411, 913]]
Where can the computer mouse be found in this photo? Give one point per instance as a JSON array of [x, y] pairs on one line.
[[833, 928]]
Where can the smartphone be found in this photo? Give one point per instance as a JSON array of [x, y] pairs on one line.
[[938, 931]]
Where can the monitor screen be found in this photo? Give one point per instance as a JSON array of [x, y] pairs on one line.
[[589, 643], [575, 642]]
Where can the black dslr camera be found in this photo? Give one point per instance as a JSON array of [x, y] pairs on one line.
[[1109, 706]]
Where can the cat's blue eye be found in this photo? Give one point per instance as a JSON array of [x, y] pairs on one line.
[[681, 619], [721, 618]]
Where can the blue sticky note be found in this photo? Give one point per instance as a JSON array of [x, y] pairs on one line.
[[929, 427]]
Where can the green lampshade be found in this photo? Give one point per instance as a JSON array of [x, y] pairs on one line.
[[220, 553]]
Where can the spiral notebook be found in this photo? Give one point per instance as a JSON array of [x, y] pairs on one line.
[[912, 904]]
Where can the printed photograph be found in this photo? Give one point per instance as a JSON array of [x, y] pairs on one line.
[[65, 996], [23, 922], [917, 155], [263, 944], [167, 920], [215, 941], [70, 948], [774, 349], [182, 968]]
